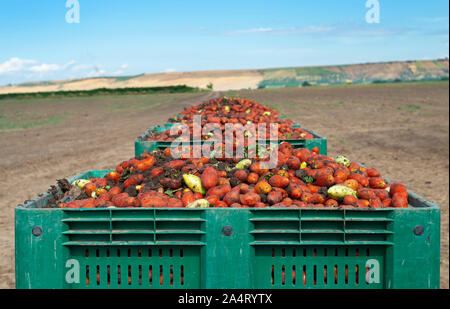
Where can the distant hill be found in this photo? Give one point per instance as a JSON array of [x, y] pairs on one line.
[[263, 78]]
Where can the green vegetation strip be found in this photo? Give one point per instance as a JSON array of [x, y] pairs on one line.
[[102, 91]]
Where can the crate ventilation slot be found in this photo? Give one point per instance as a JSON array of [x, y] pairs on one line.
[[316, 267], [133, 227], [137, 267], [325, 227]]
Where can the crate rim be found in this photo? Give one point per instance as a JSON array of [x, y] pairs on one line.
[[141, 138]]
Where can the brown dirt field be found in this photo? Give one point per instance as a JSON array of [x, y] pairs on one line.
[[400, 129]]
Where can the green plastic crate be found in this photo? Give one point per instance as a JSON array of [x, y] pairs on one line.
[[193, 248], [141, 145]]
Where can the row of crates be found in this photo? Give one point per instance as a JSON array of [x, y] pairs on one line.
[[226, 248]]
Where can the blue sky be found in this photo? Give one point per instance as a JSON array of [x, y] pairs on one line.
[[116, 37]]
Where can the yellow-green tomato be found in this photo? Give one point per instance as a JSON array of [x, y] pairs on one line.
[[343, 160], [194, 183], [244, 164], [202, 203], [80, 183], [338, 192]]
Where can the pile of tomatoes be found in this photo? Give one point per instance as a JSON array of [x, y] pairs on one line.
[[301, 178], [226, 110]]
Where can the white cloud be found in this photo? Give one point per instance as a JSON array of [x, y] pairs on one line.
[[250, 31], [292, 30], [169, 70], [120, 71], [69, 64], [308, 30], [44, 67], [16, 70], [347, 29], [433, 19], [15, 65], [96, 71], [281, 51]]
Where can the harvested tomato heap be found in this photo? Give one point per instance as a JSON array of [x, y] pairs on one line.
[[233, 111], [302, 178]]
